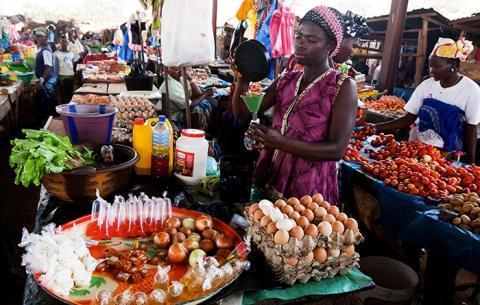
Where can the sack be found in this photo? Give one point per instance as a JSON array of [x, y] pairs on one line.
[[186, 34]]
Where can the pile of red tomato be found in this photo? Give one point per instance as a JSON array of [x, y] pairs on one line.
[[363, 133]]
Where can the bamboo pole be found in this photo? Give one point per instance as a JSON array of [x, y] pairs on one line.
[[187, 98]]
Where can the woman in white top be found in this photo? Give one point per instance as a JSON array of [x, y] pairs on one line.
[[446, 107]]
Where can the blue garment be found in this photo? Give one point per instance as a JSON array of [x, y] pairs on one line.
[[40, 64], [446, 120], [125, 52], [263, 36]]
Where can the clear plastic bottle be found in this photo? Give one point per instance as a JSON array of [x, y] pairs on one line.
[[161, 149]]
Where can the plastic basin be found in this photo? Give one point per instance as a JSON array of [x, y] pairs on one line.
[[88, 123], [26, 78]]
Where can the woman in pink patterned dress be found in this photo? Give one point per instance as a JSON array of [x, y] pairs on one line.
[[314, 115]]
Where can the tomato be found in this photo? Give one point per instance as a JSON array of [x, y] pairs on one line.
[[451, 189], [415, 178], [414, 192], [441, 184], [394, 182], [425, 180], [452, 181], [472, 187]]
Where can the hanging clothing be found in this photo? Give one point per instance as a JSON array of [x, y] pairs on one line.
[[303, 116], [263, 36], [252, 21], [281, 28], [243, 10]]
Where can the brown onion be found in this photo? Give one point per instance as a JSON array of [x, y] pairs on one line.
[[178, 238], [173, 222], [210, 234], [161, 239], [207, 245], [224, 241], [171, 231], [177, 253], [203, 222], [190, 244], [185, 230]]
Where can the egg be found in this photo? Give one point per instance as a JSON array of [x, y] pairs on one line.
[[325, 228], [272, 228], [333, 252], [288, 209], [297, 232], [312, 206], [280, 203], [265, 221], [295, 215], [333, 210], [265, 205], [292, 261], [308, 258], [320, 212], [281, 237], [253, 208], [299, 208], [330, 218], [325, 205], [320, 254], [258, 215], [276, 214], [349, 250], [318, 198], [286, 224], [341, 217], [305, 200], [311, 230], [309, 214], [303, 222], [338, 227], [351, 224], [293, 201]]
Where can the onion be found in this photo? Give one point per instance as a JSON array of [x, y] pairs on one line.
[[203, 222], [185, 230], [161, 239], [210, 234], [207, 245], [177, 253], [190, 244], [224, 241], [178, 238], [173, 222], [194, 236], [171, 231]]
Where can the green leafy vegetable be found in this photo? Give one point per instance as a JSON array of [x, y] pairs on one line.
[[43, 151], [79, 292], [97, 281]]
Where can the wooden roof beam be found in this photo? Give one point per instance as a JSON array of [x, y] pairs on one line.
[[468, 29], [385, 18]]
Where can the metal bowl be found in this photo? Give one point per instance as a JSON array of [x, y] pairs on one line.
[[80, 184]]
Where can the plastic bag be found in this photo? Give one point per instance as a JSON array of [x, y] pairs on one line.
[[186, 34]]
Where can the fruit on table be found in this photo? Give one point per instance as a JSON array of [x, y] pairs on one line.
[[386, 102], [364, 132], [466, 208]]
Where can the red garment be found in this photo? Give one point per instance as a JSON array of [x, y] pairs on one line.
[[97, 57], [281, 32]]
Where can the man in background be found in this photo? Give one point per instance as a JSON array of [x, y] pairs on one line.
[[65, 71]]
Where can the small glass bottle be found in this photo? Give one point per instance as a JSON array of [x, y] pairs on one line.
[[103, 297], [175, 292], [157, 297], [161, 278]]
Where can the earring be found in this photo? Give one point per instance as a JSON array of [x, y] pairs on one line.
[[452, 69]]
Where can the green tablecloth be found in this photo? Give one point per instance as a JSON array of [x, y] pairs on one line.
[[353, 281]]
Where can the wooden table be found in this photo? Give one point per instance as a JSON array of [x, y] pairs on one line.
[[116, 88], [100, 89], [12, 94]]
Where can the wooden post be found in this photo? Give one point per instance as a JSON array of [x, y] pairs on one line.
[[214, 24], [167, 97], [421, 50], [187, 98], [393, 40]]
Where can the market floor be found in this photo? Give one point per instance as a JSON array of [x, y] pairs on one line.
[[17, 210]]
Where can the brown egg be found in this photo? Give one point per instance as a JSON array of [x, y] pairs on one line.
[[338, 227], [288, 209], [292, 261], [281, 237], [297, 232], [305, 200], [349, 250], [312, 206], [325, 205], [330, 218], [280, 203], [258, 215], [351, 224], [318, 198], [320, 254], [271, 228], [333, 210], [265, 221], [342, 217], [308, 258], [303, 222], [311, 230], [320, 212], [295, 215], [333, 252], [325, 228], [299, 208], [253, 208], [293, 201], [309, 214]]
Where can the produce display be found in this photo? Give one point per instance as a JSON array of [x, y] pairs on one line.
[[102, 78], [90, 99], [44, 152], [129, 109], [203, 79], [388, 105], [303, 239], [462, 210]]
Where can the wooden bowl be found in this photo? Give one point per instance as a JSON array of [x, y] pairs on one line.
[[80, 184]]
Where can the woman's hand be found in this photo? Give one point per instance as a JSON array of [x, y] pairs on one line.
[[264, 136], [209, 92]]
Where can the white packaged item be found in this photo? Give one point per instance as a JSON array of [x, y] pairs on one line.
[[191, 156], [186, 34]]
